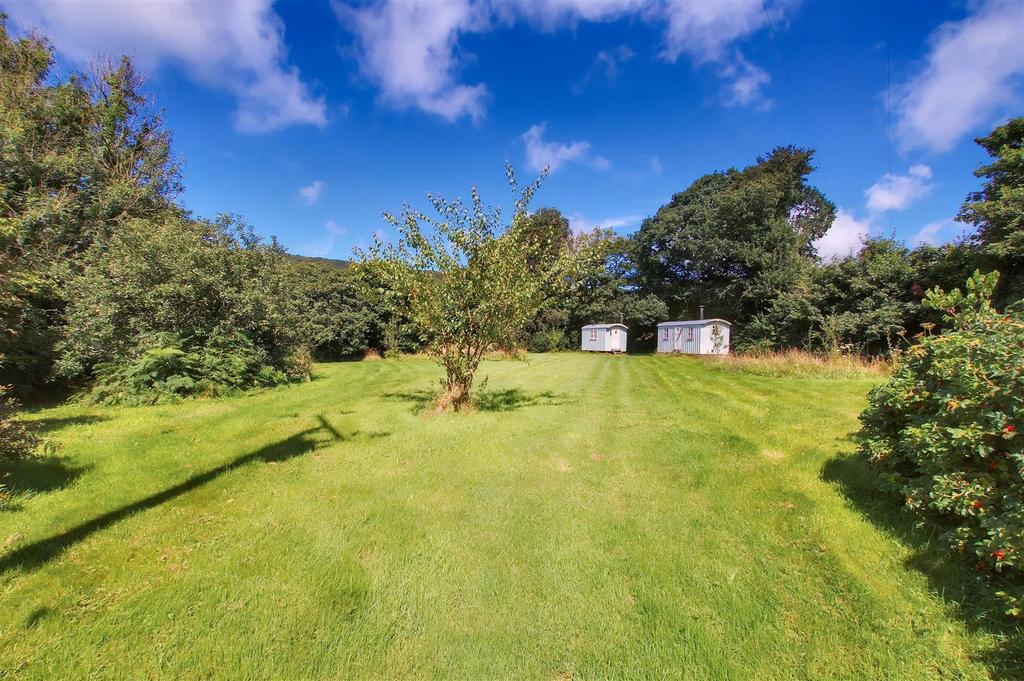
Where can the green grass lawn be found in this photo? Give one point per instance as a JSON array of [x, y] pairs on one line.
[[598, 517]]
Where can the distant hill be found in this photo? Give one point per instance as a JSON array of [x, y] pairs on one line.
[[329, 262]]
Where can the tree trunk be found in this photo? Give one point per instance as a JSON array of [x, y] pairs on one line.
[[457, 395], [458, 388]]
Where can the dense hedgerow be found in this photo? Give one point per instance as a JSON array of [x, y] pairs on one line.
[[178, 308], [944, 431], [333, 318]]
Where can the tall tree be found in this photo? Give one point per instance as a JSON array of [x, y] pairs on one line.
[[79, 158], [997, 210], [550, 232], [606, 292], [736, 241], [866, 302]]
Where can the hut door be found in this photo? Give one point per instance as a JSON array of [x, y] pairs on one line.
[[677, 339]]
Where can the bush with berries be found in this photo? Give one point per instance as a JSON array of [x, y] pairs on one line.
[[944, 432]]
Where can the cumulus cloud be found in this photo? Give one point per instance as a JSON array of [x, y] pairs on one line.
[[233, 46], [969, 75], [936, 233], [897, 192], [579, 223], [410, 48], [311, 192], [844, 237], [542, 154], [705, 30]]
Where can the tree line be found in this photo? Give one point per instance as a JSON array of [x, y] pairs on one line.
[[110, 286], [741, 244]]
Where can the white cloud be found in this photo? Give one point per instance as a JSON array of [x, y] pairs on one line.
[[600, 163], [541, 154], [705, 30], [897, 192], [745, 83], [311, 192], [968, 77], [844, 237], [550, 15], [233, 46], [410, 48], [936, 233], [656, 166], [580, 224]]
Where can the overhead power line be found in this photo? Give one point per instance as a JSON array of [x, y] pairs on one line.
[[792, 88]]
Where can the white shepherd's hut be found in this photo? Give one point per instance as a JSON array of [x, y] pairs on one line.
[[604, 337], [696, 337]]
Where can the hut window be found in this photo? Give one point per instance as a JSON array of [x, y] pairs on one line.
[[593, 334], [665, 335], [689, 333]]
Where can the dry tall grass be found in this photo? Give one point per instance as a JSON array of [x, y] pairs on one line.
[[800, 363]]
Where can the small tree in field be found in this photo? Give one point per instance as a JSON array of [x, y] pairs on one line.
[[471, 281]]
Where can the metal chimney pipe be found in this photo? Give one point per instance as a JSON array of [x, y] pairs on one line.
[[702, 313]]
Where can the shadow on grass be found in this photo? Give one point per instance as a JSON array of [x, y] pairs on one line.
[[420, 400], [514, 398], [485, 400], [37, 554], [38, 474], [970, 595], [51, 424], [37, 616]]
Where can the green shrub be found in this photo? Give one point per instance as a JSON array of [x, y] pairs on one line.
[[548, 340], [166, 369], [16, 441], [944, 432], [392, 340], [180, 308], [332, 317]]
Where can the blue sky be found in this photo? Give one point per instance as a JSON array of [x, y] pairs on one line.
[[310, 118]]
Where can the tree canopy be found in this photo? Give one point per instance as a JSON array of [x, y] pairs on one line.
[[997, 210], [78, 158], [104, 277], [472, 280], [735, 241]]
